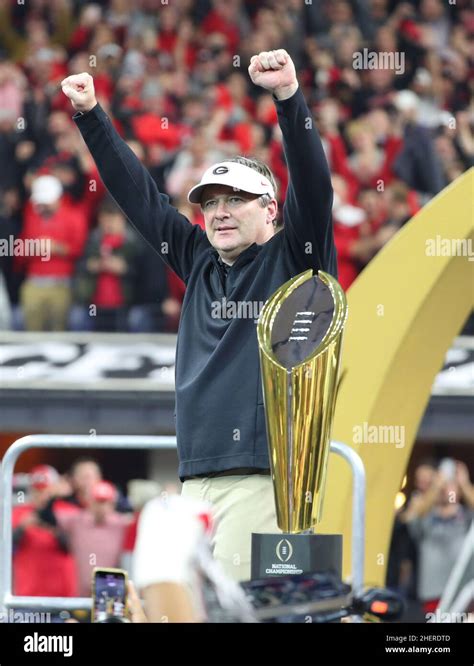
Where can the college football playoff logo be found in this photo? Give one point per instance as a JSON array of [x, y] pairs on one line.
[[284, 550]]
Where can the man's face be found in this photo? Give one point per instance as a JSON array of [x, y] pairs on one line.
[[86, 475], [235, 220], [424, 477], [46, 210], [40, 496], [101, 509], [112, 223]]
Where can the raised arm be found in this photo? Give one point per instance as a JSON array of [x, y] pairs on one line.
[[307, 210], [171, 234]]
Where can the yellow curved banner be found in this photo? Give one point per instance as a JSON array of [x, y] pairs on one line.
[[405, 309]]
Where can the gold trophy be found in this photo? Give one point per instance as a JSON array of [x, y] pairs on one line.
[[300, 332]]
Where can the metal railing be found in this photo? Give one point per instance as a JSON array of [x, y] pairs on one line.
[[358, 512], [8, 600]]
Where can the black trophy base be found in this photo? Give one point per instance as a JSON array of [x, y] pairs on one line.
[[284, 554]]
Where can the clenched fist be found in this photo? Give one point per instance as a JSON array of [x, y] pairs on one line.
[[274, 71], [80, 90]]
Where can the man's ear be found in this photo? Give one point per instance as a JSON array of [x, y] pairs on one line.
[[272, 211]]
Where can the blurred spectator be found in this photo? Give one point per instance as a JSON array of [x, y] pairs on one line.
[[12, 90], [454, 145], [10, 225], [373, 204], [434, 19], [105, 276], [11, 100], [348, 227], [438, 522], [402, 566], [190, 165], [329, 117], [370, 164], [96, 534], [84, 475], [423, 478], [399, 207], [60, 233], [159, 294], [5, 309], [42, 564], [36, 29], [417, 164]]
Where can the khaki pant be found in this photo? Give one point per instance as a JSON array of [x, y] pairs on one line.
[[45, 307], [242, 505]]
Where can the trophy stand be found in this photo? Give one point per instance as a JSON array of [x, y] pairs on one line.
[[300, 337], [285, 554]]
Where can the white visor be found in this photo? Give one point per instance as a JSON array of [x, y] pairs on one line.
[[234, 175]]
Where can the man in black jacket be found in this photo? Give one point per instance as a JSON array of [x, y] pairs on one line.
[[229, 271]]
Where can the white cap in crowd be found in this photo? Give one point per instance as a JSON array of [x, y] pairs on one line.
[[46, 190]]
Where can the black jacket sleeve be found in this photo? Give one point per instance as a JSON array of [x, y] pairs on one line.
[[171, 234], [308, 204]]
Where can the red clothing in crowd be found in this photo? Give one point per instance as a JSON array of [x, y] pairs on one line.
[[385, 174], [41, 568], [176, 285], [278, 167], [67, 226], [214, 22], [131, 534], [167, 41], [337, 158], [104, 86], [339, 164], [347, 268], [108, 292], [92, 196], [149, 128], [80, 38]]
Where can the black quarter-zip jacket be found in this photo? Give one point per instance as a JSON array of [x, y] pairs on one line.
[[220, 421]]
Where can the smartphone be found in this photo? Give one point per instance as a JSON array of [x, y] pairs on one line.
[[448, 468], [109, 594]]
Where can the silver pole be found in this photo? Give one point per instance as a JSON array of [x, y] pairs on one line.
[[358, 512]]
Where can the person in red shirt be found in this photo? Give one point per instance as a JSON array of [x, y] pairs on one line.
[[106, 274], [348, 222], [52, 238], [42, 564], [224, 19]]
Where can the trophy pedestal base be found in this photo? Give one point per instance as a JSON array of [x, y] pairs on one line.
[[285, 554]]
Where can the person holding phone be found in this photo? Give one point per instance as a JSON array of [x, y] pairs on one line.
[[438, 523], [42, 562], [220, 419]]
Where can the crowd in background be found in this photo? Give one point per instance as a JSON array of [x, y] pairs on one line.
[[173, 77], [65, 525]]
